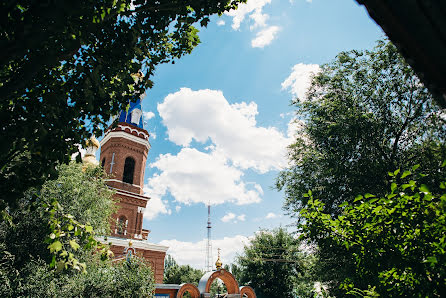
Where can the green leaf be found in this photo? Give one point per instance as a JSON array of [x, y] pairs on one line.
[[74, 244], [358, 198], [55, 246], [368, 195], [405, 174], [415, 167], [88, 229], [404, 186], [423, 188], [432, 260], [396, 172], [393, 186], [377, 209], [344, 204]]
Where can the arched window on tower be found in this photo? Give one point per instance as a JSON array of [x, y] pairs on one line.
[[103, 162], [121, 228], [129, 170]]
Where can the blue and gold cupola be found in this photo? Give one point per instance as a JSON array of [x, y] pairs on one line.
[[133, 115]]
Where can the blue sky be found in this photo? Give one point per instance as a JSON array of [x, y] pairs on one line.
[[220, 119]]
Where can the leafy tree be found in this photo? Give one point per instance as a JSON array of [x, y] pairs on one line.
[[69, 242], [66, 68], [81, 195], [397, 240], [176, 274], [102, 279], [271, 263], [365, 114]]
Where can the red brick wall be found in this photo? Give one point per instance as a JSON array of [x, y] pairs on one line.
[[155, 258], [128, 205], [123, 148]]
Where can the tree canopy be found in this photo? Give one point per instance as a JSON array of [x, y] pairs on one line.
[[33, 267], [67, 67], [397, 240], [365, 114], [271, 264], [178, 274]]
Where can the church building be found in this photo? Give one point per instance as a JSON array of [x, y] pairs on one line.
[[124, 150]]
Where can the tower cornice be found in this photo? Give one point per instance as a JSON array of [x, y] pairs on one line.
[[124, 130]]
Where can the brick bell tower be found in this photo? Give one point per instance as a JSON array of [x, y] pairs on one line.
[[124, 151]]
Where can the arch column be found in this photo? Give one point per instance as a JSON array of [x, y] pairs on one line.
[[191, 288], [248, 291], [228, 279]]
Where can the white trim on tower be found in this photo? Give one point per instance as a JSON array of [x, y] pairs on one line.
[[125, 135]]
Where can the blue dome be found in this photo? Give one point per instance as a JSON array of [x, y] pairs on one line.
[[134, 115]]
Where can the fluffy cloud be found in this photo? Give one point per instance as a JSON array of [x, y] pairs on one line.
[[220, 23], [155, 205], [197, 177], [241, 217], [299, 80], [265, 37], [259, 19], [228, 217], [193, 253], [232, 217], [271, 215], [252, 7], [206, 115], [148, 115]]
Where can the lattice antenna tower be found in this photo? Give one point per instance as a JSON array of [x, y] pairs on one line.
[[208, 263]]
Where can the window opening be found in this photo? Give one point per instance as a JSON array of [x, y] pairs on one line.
[[129, 170]]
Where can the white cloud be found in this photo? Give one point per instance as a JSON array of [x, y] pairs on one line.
[[221, 22], [299, 80], [177, 208], [244, 9], [197, 177], [259, 19], [265, 37], [232, 217], [152, 135], [206, 114], [155, 206], [148, 115], [193, 253], [241, 217], [271, 215], [228, 217]]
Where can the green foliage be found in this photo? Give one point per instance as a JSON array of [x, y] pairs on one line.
[[176, 274], [271, 263], [397, 240], [102, 279], [69, 236], [365, 114], [66, 68], [83, 192]]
